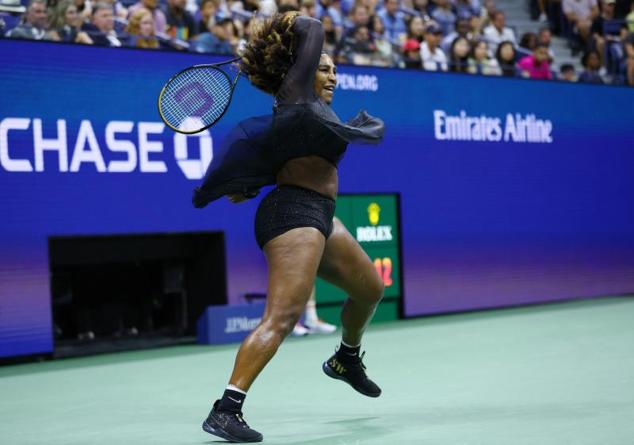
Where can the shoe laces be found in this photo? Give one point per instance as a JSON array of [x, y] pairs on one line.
[[241, 419], [361, 360], [356, 359]]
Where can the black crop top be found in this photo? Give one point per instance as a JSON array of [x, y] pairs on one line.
[[301, 125]]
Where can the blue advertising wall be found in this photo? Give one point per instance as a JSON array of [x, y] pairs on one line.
[[512, 191]]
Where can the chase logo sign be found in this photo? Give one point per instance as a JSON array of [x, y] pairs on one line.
[[33, 145], [374, 232]]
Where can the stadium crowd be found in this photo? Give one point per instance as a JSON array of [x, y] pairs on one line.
[[464, 36]]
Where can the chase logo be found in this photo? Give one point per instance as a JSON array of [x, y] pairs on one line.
[[374, 232], [32, 145], [193, 168]]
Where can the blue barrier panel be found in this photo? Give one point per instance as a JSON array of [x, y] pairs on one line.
[[228, 324], [512, 191]]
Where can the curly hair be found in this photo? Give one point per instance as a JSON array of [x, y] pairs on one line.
[[267, 56]]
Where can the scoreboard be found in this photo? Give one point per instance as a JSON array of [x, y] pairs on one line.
[[374, 220]]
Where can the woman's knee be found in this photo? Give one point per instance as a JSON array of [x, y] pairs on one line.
[[281, 322], [376, 289], [371, 292]]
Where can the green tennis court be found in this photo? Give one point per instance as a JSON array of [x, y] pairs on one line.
[[554, 374]]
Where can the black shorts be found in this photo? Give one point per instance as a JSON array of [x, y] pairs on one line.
[[288, 207]]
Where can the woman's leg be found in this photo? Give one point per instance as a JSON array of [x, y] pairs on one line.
[[346, 265], [293, 259]]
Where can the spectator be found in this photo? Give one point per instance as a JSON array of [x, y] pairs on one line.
[[377, 27], [506, 58], [386, 55], [480, 62], [101, 29], [592, 64], [34, 22], [536, 66], [358, 47], [416, 29], [217, 40], [332, 35], [207, 12], [232, 31], [580, 13], [394, 21], [475, 25], [141, 30], [545, 37], [528, 41], [497, 32], [599, 39], [444, 16], [462, 29], [180, 22], [459, 55], [411, 54], [65, 24], [432, 57], [567, 73], [160, 21]]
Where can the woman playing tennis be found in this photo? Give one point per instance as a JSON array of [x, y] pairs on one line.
[[297, 148]]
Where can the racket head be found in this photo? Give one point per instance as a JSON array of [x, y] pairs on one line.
[[196, 98]]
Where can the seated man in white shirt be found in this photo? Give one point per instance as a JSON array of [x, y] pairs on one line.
[[432, 57], [496, 32]]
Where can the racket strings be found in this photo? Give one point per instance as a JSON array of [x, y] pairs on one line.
[[195, 98]]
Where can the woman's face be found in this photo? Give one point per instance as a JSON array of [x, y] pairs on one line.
[[146, 26], [325, 79], [461, 48], [70, 16], [480, 51], [507, 52], [416, 27], [208, 10]]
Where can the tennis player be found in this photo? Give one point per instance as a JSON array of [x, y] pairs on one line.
[[298, 149]]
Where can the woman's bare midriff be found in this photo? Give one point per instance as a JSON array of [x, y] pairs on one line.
[[310, 172]]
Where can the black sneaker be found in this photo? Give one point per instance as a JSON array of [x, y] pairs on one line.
[[230, 426], [351, 370]]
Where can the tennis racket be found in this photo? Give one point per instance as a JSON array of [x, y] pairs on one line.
[[194, 99]]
